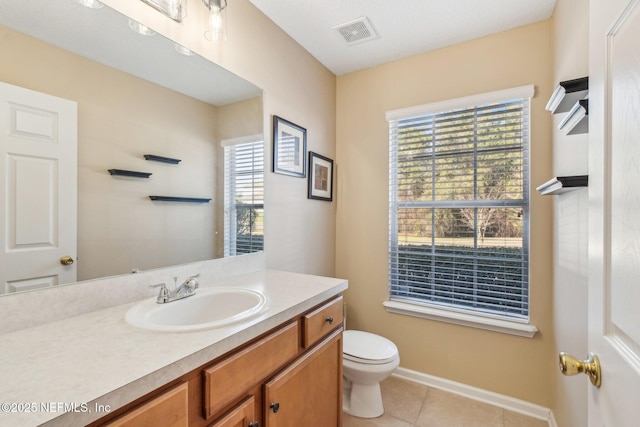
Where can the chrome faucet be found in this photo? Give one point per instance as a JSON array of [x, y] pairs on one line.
[[186, 289]]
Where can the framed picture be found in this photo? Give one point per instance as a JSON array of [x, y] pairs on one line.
[[320, 177], [289, 148]]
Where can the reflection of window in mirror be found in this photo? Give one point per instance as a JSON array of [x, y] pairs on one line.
[[243, 195]]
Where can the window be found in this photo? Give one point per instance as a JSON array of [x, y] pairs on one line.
[[459, 205], [243, 195]]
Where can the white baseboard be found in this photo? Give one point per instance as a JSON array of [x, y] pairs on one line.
[[495, 399]]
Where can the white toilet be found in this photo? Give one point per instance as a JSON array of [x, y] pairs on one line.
[[367, 359]]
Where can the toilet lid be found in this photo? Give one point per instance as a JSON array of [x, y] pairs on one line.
[[367, 346]]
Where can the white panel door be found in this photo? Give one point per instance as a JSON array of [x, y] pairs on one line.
[[614, 210], [38, 186]]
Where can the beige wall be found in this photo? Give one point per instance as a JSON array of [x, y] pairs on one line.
[[515, 366], [570, 223], [300, 233]]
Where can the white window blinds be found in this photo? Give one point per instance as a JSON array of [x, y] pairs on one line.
[[459, 198], [243, 195]]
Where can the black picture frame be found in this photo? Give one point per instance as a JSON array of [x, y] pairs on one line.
[[289, 148], [320, 184]]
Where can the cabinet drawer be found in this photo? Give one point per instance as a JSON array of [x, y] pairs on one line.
[[169, 409], [241, 416], [321, 321], [230, 378]]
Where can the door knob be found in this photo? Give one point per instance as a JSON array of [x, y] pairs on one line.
[[569, 365], [66, 260]]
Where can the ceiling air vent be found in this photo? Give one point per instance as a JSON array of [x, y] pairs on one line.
[[356, 31]]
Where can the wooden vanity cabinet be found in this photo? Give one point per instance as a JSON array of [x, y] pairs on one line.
[[230, 378], [291, 376], [308, 391], [168, 409]]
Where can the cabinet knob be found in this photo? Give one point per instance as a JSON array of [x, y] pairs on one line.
[[254, 424], [275, 407], [329, 320]]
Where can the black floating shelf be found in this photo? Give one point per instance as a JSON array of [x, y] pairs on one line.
[[122, 172], [179, 199], [567, 94], [577, 120], [562, 184], [162, 159]]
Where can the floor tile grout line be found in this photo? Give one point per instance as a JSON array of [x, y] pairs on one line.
[[424, 402]]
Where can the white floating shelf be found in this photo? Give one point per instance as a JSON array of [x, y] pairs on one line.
[[567, 94], [577, 120], [562, 184]]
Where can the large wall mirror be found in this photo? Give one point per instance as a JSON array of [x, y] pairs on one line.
[[136, 95]]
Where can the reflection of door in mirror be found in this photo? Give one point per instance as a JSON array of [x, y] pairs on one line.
[[38, 142]]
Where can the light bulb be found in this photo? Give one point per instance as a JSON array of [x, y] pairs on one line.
[[217, 21], [175, 8]]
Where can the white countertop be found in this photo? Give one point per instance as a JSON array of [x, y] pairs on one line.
[[98, 359]]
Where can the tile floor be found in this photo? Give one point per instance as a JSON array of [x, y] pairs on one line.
[[408, 404]]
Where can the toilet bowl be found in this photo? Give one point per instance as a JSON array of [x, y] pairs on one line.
[[367, 360]]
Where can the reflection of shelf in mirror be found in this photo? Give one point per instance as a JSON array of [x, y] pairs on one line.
[[577, 120], [155, 158], [567, 94], [562, 184], [179, 199], [134, 174]]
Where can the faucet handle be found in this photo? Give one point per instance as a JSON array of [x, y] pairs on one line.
[[192, 282], [163, 295]]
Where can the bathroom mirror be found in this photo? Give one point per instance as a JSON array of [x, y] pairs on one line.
[[137, 95]]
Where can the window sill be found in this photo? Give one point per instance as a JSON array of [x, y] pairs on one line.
[[490, 324]]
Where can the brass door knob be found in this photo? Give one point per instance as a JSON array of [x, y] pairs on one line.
[[569, 365], [66, 260]]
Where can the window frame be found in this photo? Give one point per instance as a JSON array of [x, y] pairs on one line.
[[230, 205], [453, 314]]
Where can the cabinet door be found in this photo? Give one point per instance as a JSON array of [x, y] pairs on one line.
[[169, 410], [309, 391], [242, 416], [229, 379]]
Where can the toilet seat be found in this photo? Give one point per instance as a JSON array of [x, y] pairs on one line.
[[364, 347]]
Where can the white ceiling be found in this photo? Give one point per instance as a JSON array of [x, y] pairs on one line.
[[404, 27]]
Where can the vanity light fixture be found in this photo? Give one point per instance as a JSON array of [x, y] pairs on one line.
[[91, 4], [217, 22], [174, 9], [140, 29]]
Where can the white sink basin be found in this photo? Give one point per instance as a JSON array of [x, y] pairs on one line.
[[209, 308]]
